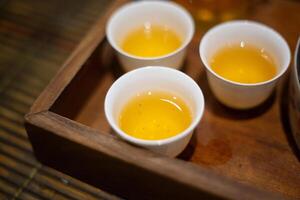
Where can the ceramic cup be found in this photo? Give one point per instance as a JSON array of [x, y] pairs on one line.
[[155, 78], [294, 97], [141, 13], [239, 95]]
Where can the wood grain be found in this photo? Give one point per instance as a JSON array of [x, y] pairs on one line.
[[35, 39], [232, 154], [76, 60], [76, 144]]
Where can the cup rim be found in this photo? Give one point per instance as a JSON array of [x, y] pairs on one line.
[[243, 22], [134, 140], [172, 5], [295, 66]]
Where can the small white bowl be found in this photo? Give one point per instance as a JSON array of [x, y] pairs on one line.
[[136, 14], [155, 78], [239, 95]]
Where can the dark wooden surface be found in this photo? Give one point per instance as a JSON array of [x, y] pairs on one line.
[[250, 147], [37, 36], [35, 39]]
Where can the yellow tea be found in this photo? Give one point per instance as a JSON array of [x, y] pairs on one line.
[[154, 116], [151, 41], [244, 64]]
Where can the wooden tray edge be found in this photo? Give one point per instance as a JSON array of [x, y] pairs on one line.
[[74, 62], [188, 174]]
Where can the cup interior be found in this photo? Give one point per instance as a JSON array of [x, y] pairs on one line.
[[137, 14], [251, 33], [153, 79]]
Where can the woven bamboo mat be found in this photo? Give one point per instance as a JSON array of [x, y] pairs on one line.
[[35, 38]]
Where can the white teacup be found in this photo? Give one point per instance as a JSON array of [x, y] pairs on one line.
[[137, 14], [155, 79], [239, 95]]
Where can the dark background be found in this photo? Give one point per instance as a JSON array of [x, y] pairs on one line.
[[36, 36]]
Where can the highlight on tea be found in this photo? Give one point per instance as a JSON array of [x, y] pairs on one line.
[[243, 63], [154, 115], [151, 41]]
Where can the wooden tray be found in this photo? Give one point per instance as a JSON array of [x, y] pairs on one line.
[[233, 154]]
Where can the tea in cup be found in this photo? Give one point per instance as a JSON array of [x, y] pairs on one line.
[[243, 61], [156, 108], [146, 33]]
